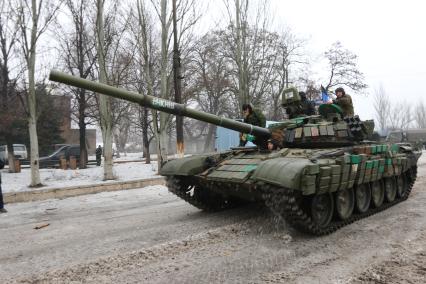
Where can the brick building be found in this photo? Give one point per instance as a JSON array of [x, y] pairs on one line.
[[71, 135]]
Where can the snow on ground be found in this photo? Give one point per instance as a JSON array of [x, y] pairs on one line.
[[54, 178], [127, 157], [138, 156]]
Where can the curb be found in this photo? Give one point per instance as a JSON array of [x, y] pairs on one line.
[[63, 192]]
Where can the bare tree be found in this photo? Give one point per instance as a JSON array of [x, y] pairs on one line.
[[209, 81], [120, 53], [9, 112], [186, 19], [420, 114], [30, 15], [343, 69], [290, 55], [145, 45], [177, 78], [78, 51], [142, 122], [121, 133], [249, 44], [401, 117], [382, 106], [104, 101], [238, 27], [161, 130]]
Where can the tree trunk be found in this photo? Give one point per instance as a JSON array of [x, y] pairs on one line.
[[82, 130], [145, 140], [146, 70], [32, 119], [209, 143], [241, 95], [177, 76], [104, 101], [157, 137], [161, 133]]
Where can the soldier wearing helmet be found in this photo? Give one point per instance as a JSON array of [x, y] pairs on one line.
[[300, 108], [344, 101]]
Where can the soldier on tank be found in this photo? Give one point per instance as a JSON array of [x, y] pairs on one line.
[[307, 105], [254, 117], [303, 107], [272, 145], [344, 101]]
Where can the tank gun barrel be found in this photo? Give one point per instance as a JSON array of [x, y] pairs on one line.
[[157, 104]]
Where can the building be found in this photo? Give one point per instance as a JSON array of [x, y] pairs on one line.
[[69, 134]]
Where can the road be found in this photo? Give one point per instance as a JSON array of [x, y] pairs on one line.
[[149, 236]]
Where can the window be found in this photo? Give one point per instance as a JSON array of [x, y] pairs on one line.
[[74, 151], [19, 148]]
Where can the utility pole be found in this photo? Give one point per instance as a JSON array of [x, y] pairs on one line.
[[177, 76]]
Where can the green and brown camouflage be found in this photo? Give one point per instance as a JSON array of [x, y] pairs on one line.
[[325, 174]]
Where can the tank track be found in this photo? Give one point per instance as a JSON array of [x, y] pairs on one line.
[[202, 199], [287, 203]]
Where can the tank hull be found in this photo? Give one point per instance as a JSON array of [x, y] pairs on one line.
[[316, 190]]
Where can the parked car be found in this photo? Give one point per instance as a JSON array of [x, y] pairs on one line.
[[66, 151], [19, 151]]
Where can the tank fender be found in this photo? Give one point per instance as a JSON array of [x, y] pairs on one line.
[[285, 172], [191, 165]]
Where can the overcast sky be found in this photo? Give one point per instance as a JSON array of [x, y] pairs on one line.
[[388, 36]]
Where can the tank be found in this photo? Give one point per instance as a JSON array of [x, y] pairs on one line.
[[325, 173]]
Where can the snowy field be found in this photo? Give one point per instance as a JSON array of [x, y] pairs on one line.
[[127, 157], [54, 178]]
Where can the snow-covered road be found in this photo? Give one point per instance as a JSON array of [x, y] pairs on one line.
[[149, 236]]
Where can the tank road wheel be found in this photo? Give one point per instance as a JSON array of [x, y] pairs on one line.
[[390, 189], [322, 208], [401, 186], [377, 193], [362, 198], [345, 203]]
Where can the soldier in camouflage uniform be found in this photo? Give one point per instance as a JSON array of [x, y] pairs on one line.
[[301, 108], [253, 117], [344, 101]]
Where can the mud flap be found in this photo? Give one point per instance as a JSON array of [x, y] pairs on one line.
[[284, 172]]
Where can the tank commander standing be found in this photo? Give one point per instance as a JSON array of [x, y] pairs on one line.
[[344, 101], [301, 108], [254, 117], [308, 107]]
